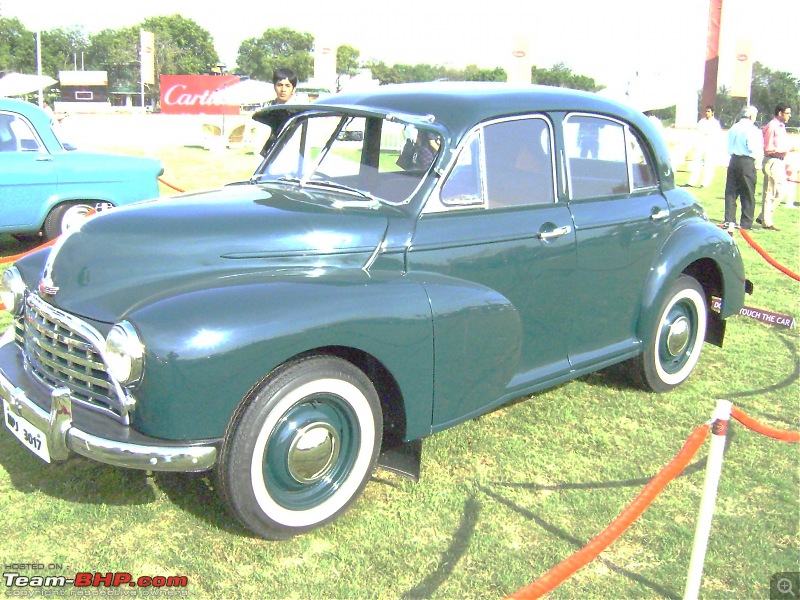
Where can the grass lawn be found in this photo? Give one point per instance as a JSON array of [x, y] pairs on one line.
[[502, 498]]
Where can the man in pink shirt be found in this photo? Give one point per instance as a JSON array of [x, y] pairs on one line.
[[776, 146]]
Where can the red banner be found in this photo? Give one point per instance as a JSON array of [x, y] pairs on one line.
[[193, 94]]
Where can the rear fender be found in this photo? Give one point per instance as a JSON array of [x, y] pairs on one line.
[[709, 255]]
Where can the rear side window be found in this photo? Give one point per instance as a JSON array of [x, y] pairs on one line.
[[605, 158]]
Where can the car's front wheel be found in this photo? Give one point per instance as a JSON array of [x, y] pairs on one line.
[[64, 217], [301, 447], [673, 346]]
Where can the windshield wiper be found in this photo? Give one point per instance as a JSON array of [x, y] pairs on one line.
[[374, 201], [263, 178]]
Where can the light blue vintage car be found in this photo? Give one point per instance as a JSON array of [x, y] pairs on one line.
[[45, 184]]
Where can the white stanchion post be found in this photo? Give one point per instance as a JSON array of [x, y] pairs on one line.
[[722, 414]]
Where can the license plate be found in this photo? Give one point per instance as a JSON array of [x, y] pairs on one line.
[[33, 439]]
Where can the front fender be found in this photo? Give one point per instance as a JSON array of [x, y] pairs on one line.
[[205, 349], [706, 252]]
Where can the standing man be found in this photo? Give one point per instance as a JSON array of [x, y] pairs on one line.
[[745, 145], [702, 168], [285, 82], [776, 146]]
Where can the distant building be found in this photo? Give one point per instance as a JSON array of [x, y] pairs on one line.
[[83, 91]]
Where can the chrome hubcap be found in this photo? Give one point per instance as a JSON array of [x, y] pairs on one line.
[[313, 452], [678, 336]]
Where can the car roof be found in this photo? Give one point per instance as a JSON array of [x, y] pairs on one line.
[[458, 106], [37, 116], [32, 111]]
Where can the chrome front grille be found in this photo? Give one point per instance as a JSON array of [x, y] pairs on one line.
[[63, 351]]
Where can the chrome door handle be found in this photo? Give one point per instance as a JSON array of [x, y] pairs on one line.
[[44, 158], [555, 233], [660, 215]]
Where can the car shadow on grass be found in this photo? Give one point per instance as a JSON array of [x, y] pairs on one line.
[[578, 543], [11, 246], [77, 480], [698, 466], [196, 494], [449, 559]]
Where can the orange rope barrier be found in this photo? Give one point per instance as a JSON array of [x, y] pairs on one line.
[[169, 185], [751, 423], [767, 257], [555, 576]]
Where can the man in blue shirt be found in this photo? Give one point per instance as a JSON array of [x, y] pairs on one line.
[[746, 146]]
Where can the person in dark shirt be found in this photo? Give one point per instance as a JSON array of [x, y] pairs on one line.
[[285, 83]]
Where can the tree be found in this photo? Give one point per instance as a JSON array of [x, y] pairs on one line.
[[346, 60], [17, 47], [277, 48], [182, 47], [559, 75], [62, 50], [473, 73], [112, 47], [770, 88]]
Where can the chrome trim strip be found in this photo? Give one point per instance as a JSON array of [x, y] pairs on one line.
[[63, 437]]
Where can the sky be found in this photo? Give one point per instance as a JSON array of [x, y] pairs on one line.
[[609, 40]]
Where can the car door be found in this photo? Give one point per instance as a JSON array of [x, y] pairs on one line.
[[28, 174], [620, 220], [496, 253]]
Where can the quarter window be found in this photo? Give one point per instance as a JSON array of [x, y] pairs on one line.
[[604, 158]]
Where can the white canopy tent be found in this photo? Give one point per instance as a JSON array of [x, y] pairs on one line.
[[19, 84], [245, 92]]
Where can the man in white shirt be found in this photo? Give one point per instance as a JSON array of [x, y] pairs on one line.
[[702, 167]]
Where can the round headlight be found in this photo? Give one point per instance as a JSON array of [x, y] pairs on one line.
[[12, 290], [124, 354]]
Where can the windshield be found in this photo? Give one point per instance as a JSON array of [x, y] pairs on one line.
[[366, 157]]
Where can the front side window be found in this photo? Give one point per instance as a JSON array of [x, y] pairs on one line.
[[357, 155], [604, 158]]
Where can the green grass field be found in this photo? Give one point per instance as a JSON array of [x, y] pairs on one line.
[[502, 498]]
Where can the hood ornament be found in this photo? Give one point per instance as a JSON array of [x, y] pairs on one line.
[[46, 284]]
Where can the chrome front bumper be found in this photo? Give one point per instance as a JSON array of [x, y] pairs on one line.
[[63, 436]]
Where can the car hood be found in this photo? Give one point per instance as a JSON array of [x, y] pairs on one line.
[[132, 256]]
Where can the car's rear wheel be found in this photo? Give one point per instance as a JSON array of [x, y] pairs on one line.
[[64, 217], [674, 345], [301, 447]]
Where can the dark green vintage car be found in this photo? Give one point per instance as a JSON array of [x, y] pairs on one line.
[[402, 260]]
